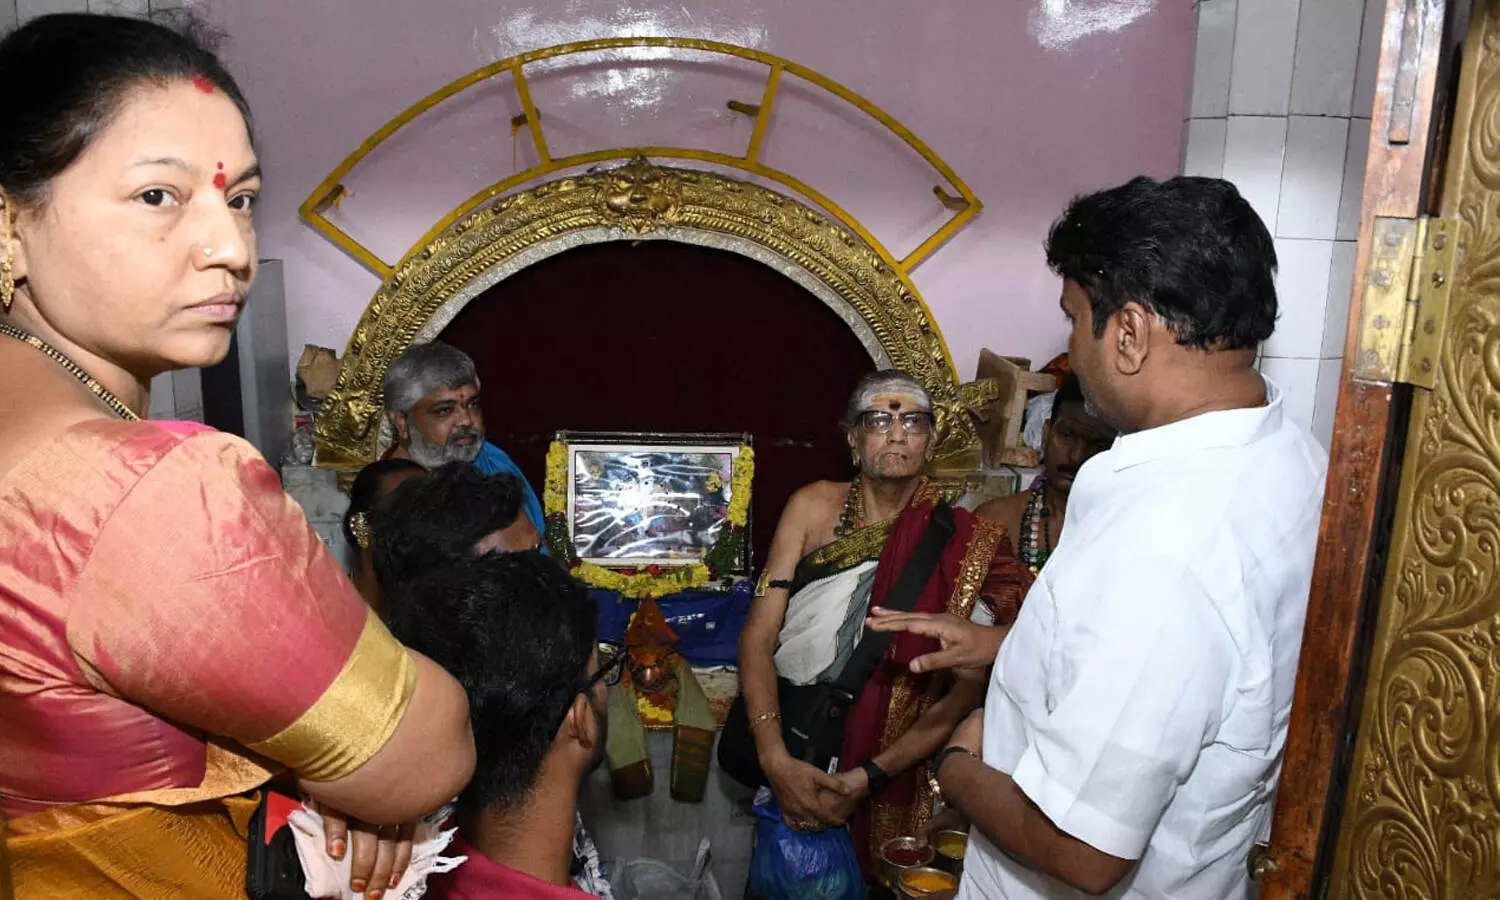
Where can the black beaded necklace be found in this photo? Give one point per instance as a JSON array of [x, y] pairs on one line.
[[115, 404]]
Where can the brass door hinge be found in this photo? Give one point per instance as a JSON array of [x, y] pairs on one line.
[[1407, 284]]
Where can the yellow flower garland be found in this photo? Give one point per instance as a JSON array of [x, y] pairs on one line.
[[671, 580]]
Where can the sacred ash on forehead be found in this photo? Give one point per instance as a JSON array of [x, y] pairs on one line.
[[891, 390], [895, 401]]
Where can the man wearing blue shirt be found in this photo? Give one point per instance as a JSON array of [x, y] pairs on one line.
[[432, 401]]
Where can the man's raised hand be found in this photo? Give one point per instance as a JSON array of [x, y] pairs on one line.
[[963, 645]]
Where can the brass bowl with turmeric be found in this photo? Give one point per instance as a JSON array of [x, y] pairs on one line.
[[926, 883], [950, 847]]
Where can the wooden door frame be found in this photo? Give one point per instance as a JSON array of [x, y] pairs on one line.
[[1364, 455]]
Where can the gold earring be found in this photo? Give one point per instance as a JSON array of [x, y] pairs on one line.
[[7, 267], [359, 523]]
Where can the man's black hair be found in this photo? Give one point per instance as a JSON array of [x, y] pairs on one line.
[[1068, 393], [365, 491], [517, 631], [439, 517], [1191, 250]]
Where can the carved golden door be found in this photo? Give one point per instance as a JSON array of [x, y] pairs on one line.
[[1392, 779]]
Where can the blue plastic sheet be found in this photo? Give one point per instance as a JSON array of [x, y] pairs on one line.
[[802, 865], [708, 623]]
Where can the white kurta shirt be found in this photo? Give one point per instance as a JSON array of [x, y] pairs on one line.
[[1141, 700]]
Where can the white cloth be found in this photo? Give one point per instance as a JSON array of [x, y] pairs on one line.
[[1038, 412], [808, 642], [329, 877], [590, 878], [1141, 700]]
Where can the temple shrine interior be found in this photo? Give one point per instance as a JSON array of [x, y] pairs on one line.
[[690, 228]]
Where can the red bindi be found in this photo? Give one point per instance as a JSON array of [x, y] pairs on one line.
[[220, 181], [203, 84]]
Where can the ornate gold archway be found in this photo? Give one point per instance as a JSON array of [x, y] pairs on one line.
[[634, 201], [495, 231]]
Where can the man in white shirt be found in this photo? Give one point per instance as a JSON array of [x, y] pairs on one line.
[[1133, 731]]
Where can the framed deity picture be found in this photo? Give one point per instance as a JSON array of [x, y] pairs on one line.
[[637, 500]]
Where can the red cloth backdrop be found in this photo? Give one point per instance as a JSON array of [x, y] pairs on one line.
[[666, 336]]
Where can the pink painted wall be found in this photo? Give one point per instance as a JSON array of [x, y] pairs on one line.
[[1030, 102]]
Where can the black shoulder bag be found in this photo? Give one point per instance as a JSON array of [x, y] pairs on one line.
[[812, 716]]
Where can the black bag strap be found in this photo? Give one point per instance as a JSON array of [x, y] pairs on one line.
[[903, 597]]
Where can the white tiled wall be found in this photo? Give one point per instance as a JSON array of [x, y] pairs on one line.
[[1254, 155], [1265, 41], [1302, 288], [1312, 177], [8, 17], [1281, 101], [1213, 56], [1327, 51], [177, 395], [1368, 65]]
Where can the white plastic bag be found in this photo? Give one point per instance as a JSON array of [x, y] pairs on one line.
[[651, 879]]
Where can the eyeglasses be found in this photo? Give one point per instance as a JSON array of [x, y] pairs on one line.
[[881, 422], [609, 672], [612, 669]]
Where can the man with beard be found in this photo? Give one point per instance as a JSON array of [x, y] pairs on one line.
[[432, 401], [840, 548], [1034, 518], [519, 633]]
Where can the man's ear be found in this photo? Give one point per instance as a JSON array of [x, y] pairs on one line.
[[1130, 329], [398, 423], [582, 724]]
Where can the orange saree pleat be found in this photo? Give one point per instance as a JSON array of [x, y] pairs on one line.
[[146, 853]]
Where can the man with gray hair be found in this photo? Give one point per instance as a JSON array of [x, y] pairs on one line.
[[432, 401], [833, 719]]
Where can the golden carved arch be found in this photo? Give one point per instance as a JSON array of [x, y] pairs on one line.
[[635, 200]]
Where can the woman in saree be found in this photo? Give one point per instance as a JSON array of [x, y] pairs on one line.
[[172, 633]]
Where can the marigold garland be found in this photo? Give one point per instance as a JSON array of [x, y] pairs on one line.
[[651, 581]]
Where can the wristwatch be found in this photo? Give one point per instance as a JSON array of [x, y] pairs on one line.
[[878, 778], [937, 764]]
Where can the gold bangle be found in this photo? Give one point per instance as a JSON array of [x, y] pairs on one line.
[[764, 717]]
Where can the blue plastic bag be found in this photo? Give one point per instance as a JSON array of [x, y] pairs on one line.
[[802, 865]]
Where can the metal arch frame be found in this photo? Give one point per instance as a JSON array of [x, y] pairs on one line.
[[966, 204]]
